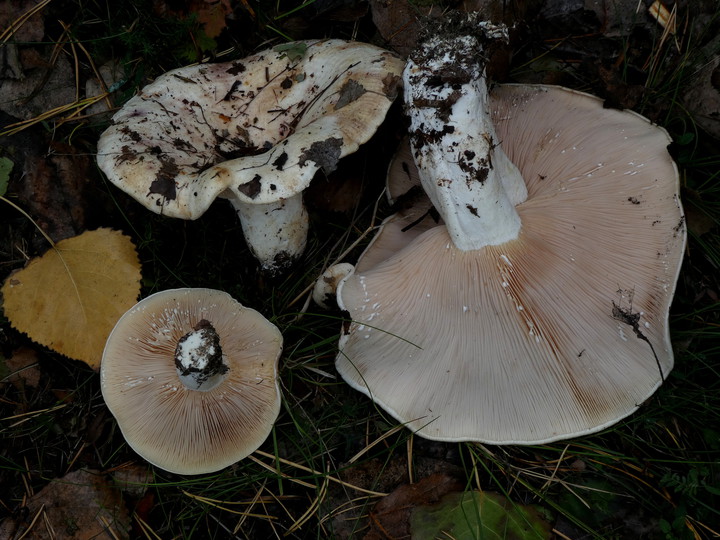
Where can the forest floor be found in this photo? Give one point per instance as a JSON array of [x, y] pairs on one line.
[[336, 465]]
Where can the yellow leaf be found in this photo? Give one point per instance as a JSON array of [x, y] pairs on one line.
[[70, 298]]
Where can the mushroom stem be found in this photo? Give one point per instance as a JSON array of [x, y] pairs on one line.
[[275, 232], [198, 358], [471, 182]]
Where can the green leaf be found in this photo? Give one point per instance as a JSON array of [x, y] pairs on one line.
[[6, 166], [294, 50], [685, 138], [475, 514]]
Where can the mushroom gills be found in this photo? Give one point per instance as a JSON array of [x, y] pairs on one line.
[[546, 322]]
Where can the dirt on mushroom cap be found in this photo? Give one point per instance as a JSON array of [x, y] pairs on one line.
[[164, 141]]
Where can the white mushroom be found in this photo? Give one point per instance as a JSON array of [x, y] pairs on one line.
[[326, 286], [512, 319], [191, 378], [254, 131]]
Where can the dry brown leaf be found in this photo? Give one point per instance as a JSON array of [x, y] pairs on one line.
[[70, 298], [13, 22], [211, 15], [81, 504], [55, 188], [23, 368]]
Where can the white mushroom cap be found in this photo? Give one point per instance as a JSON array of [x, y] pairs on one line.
[[178, 428], [558, 333], [254, 131]]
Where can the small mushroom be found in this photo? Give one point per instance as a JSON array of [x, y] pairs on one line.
[[191, 378], [326, 286], [505, 318], [254, 131]]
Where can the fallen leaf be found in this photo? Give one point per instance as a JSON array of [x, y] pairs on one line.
[[54, 189], [341, 192], [699, 222], [96, 426], [702, 94], [390, 518], [6, 166], [22, 366], [112, 77], [211, 15], [82, 504], [38, 89], [478, 514], [400, 22], [133, 479], [619, 94], [64, 396], [70, 298], [13, 14]]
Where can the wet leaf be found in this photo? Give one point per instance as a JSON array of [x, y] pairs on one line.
[[32, 27], [400, 22], [350, 91], [478, 514], [41, 86], [133, 479], [702, 94], [325, 154], [54, 188], [70, 298]]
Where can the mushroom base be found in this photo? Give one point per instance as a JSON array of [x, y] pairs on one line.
[[198, 358]]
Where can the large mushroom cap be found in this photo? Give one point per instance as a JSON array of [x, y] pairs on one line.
[[272, 119], [560, 332], [254, 131], [173, 427]]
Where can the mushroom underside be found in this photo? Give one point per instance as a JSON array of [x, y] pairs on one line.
[[176, 428], [560, 332]]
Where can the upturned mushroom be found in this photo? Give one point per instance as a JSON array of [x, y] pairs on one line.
[[535, 308], [191, 378], [254, 131]]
